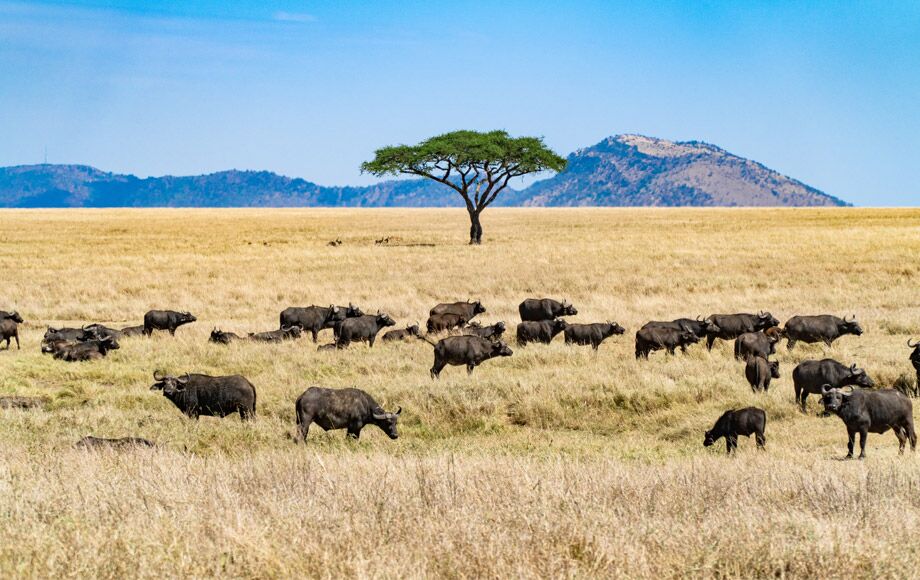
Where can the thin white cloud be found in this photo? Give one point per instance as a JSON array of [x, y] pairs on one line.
[[293, 17]]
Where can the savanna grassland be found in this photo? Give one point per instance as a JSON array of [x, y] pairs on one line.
[[554, 462]]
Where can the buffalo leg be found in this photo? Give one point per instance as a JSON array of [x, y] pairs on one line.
[[761, 441], [469, 368], [911, 436], [303, 426], [709, 340], [731, 442], [790, 344], [851, 440], [16, 336], [804, 397], [436, 369], [354, 432], [901, 434], [172, 332], [371, 340], [863, 434]]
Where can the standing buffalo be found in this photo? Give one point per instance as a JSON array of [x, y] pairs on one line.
[[401, 334], [537, 309], [543, 331], [697, 327], [286, 333], [915, 359], [363, 329], [811, 375], [445, 321], [218, 336], [867, 412], [652, 338], [166, 320], [747, 421], [9, 327], [492, 332], [465, 350], [133, 330], [756, 344], [759, 372], [824, 328], [593, 334], [468, 309], [317, 318], [351, 409], [731, 326], [197, 395]]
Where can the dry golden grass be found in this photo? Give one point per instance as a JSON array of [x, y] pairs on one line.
[[554, 462]]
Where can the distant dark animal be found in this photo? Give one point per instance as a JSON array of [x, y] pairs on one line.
[[652, 338], [755, 344], [824, 328], [18, 402], [90, 442], [168, 320], [197, 395], [218, 336], [350, 409], [286, 333], [363, 329], [133, 330], [469, 309], [70, 334], [444, 322], [382, 241], [731, 326], [86, 350], [593, 334], [492, 332], [915, 359], [317, 318], [759, 372], [335, 242], [748, 421], [465, 350], [810, 376], [9, 329], [401, 334], [537, 309], [697, 327], [867, 412], [543, 331]]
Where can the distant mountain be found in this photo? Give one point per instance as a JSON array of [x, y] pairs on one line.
[[626, 170]]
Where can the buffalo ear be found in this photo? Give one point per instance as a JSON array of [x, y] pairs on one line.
[[156, 387]]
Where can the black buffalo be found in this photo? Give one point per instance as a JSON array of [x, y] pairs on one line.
[[697, 327], [133, 330], [492, 331], [168, 320], [67, 334], [197, 395], [759, 372], [537, 309], [286, 333], [445, 321], [824, 328], [465, 350], [748, 421], [218, 336], [756, 344], [543, 331], [401, 334], [90, 442], [810, 376], [9, 329], [363, 329], [867, 412], [593, 334], [350, 409], [915, 359], [652, 338], [731, 326], [317, 318], [83, 351], [469, 309]]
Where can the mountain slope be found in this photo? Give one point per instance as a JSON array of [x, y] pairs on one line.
[[626, 170]]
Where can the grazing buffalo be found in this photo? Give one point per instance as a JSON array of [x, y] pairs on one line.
[[83, 351], [915, 359], [363, 329], [759, 372], [197, 395], [492, 332], [731, 326], [68, 334], [697, 327], [469, 309], [824, 328], [317, 318], [867, 412], [542, 331], [465, 350], [350, 409], [593, 334], [401, 334], [756, 344], [811, 375], [286, 333], [537, 309], [747, 421], [445, 322], [9, 329], [166, 320], [90, 442], [218, 336], [133, 330], [652, 338]]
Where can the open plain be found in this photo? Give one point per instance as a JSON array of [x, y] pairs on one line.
[[557, 461]]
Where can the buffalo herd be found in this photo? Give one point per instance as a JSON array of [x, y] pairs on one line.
[[845, 390]]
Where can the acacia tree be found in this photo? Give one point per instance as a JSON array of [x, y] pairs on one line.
[[476, 165]]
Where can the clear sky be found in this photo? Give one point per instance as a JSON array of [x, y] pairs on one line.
[[826, 92]]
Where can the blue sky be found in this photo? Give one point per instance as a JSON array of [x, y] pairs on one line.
[[827, 92]]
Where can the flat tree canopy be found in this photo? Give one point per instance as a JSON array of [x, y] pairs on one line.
[[476, 165]]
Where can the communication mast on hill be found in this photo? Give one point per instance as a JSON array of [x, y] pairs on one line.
[[46, 155]]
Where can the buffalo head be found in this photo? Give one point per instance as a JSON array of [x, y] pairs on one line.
[[501, 349], [774, 369], [186, 317], [833, 399], [767, 320], [383, 319], [615, 328], [708, 439], [387, 421], [559, 325], [568, 309], [169, 384], [353, 311], [14, 316], [851, 326], [478, 308], [859, 377]]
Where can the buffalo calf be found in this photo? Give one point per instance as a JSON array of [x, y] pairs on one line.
[[759, 372], [747, 421]]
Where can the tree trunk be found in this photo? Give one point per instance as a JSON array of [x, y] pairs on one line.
[[475, 229]]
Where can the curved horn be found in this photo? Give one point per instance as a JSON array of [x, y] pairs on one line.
[[912, 345], [184, 378], [398, 411], [699, 318], [157, 376], [853, 367], [825, 389]]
